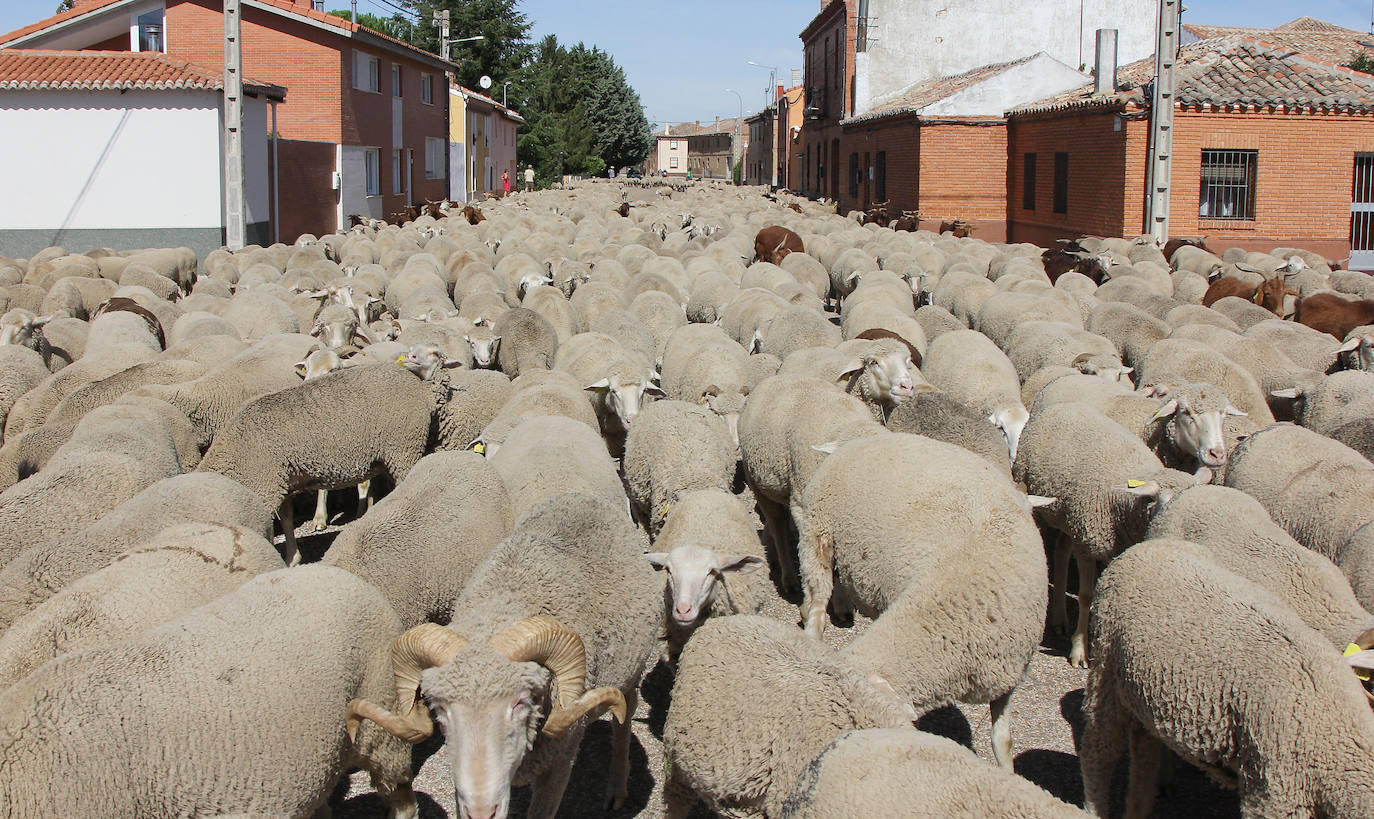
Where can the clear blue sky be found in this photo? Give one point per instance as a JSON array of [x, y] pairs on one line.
[[682, 56]]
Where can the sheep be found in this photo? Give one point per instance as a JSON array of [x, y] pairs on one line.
[[1036, 344], [524, 341], [591, 300], [784, 418], [709, 549], [1107, 483], [711, 292], [1178, 360], [1319, 490], [547, 455], [751, 310], [135, 698], [795, 328], [1334, 401], [21, 370], [180, 568], [114, 453], [940, 416], [33, 407], [1003, 312], [1161, 678], [962, 293], [257, 316], [753, 702], [882, 374], [951, 530], [901, 772], [624, 327], [661, 314], [557, 622], [1358, 348], [704, 365], [550, 303], [1279, 378], [538, 392], [617, 379], [22, 328], [1131, 330], [968, 366], [1310, 349], [1238, 535], [936, 321], [419, 545], [675, 447]]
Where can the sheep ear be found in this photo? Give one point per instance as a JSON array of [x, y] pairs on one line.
[[744, 390], [655, 390], [743, 564], [852, 277], [1167, 409], [451, 363], [1140, 489], [1291, 392], [1041, 501], [827, 448], [1363, 660], [711, 391], [599, 387], [300, 368], [1230, 410], [854, 366], [1350, 345], [659, 560]]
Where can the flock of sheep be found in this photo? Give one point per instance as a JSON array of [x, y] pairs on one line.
[[614, 424]]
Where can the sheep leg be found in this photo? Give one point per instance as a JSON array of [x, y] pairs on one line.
[[546, 792], [321, 521], [1001, 730], [365, 494], [1059, 606], [618, 782], [817, 553], [289, 553], [775, 524], [1103, 740], [678, 797], [1144, 777], [1087, 580]]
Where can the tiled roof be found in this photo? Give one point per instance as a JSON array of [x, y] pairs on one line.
[[686, 129], [470, 94], [1306, 35], [924, 94], [25, 70], [87, 8], [1225, 71]]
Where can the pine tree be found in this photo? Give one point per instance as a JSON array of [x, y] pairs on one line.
[[500, 55]]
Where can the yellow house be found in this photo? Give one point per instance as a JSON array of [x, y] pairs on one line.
[[481, 135]]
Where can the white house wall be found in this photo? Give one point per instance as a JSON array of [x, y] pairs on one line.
[[918, 40], [353, 195], [1035, 80]]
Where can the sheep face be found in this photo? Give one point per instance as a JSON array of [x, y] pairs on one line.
[[529, 280], [425, 361], [18, 326], [693, 572], [337, 333], [1358, 349], [624, 401], [1198, 412], [489, 709], [728, 403], [889, 378], [319, 363], [1011, 420], [1106, 366], [484, 346]]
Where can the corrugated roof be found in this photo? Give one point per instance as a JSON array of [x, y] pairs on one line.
[[924, 94], [1229, 71], [32, 70], [1306, 35]]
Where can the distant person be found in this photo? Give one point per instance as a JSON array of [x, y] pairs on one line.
[[529, 177], [505, 183]]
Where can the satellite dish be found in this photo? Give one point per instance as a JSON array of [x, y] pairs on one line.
[[485, 82]]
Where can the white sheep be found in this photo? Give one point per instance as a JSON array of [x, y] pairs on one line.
[[675, 447], [968, 366], [547, 455], [617, 379]]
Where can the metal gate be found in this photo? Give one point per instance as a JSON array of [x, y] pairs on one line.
[[1362, 214]]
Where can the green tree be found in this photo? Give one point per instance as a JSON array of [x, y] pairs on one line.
[[1361, 61], [396, 25], [65, 5], [557, 138], [621, 132], [500, 55]]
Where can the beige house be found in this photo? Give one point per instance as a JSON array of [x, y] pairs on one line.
[[704, 149], [482, 142]]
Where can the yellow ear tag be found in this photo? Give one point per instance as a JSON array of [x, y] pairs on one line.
[[666, 507], [401, 360], [1134, 484], [1351, 650], [480, 448]]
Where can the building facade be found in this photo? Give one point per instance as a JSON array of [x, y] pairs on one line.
[[364, 128], [482, 145], [706, 150]]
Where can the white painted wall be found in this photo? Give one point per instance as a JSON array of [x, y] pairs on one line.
[[457, 172], [1037, 79], [918, 40], [353, 196], [257, 188], [99, 159]]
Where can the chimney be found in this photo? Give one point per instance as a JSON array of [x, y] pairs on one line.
[[1104, 80]]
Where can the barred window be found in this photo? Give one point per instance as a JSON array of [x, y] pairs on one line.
[[1061, 183], [1228, 185]]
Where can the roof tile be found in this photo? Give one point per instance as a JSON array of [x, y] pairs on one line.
[[31, 70]]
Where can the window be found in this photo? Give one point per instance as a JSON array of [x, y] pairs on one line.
[[395, 81], [434, 157], [1028, 182], [1061, 183], [880, 177], [672, 144], [397, 182], [1228, 185], [150, 31], [317, 5], [367, 72], [427, 89], [372, 170], [672, 162], [853, 174]]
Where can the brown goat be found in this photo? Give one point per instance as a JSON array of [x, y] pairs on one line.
[[1332, 314], [473, 215], [1061, 260], [1175, 242], [774, 242], [960, 228], [1227, 286]]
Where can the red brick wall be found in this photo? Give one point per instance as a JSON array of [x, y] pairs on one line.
[[306, 194], [1304, 167], [963, 170], [1102, 167], [835, 38]]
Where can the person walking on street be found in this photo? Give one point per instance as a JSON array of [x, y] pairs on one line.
[[529, 177], [505, 183]]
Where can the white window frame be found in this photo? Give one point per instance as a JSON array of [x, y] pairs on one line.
[[372, 171], [672, 144], [135, 40], [397, 81], [434, 157], [367, 72], [672, 162], [427, 89], [397, 183]]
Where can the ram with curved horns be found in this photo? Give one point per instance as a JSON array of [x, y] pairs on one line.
[[557, 623]]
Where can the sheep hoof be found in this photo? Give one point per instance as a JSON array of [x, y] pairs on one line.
[[615, 801], [1078, 657], [319, 526]]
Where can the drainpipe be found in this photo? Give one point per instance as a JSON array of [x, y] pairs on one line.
[[276, 186]]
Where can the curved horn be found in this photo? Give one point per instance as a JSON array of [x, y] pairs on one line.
[[562, 718], [553, 645], [424, 646]]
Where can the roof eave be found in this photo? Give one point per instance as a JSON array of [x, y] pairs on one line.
[[359, 33], [821, 19], [64, 24]]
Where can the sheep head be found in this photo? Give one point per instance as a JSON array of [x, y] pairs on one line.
[[624, 400], [1198, 412], [484, 345], [693, 574], [489, 698], [425, 361], [18, 327], [1360, 345], [1104, 365]]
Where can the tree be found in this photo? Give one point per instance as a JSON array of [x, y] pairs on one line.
[[1361, 61], [622, 136], [505, 28], [557, 138], [394, 26], [65, 5]]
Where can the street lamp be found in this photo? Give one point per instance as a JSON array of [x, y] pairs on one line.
[[503, 91], [739, 143], [770, 97]]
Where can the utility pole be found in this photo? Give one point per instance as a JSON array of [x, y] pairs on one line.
[[441, 19], [1162, 123], [234, 237]]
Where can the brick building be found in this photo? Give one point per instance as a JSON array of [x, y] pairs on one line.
[[790, 106], [364, 129], [828, 77], [1268, 148], [706, 150], [482, 145]]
